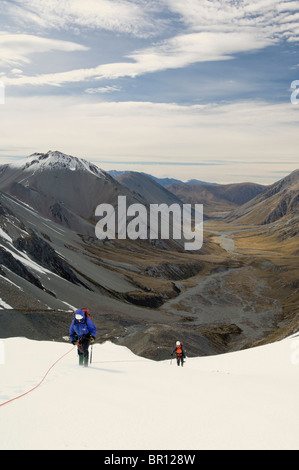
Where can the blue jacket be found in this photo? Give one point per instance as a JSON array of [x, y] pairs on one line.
[[83, 328]]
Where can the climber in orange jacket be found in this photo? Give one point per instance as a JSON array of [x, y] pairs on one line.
[[180, 353]]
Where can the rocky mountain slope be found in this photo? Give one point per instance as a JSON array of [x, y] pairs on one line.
[[278, 201], [149, 189], [48, 270], [63, 188]]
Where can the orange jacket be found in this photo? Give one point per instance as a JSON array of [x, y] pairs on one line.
[[179, 350]]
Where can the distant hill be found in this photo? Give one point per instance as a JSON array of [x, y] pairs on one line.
[[162, 181], [217, 198], [148, 188], [194, 181]]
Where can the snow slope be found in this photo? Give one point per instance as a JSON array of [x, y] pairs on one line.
[[242, 400]]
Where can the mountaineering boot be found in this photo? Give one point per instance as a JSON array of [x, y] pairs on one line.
[[80, 359]]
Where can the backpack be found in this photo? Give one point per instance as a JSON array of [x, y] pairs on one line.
[[87, 312]]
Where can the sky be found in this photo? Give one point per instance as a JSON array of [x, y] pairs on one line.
[[184, 89]]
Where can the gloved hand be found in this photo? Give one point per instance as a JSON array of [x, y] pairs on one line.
[[92, 339]]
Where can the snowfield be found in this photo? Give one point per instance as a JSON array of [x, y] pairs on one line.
[[242, 400]]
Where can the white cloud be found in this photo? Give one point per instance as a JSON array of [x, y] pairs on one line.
[[270, 18], [186, 49], [102, 90], [214, 31], [17, 71], [113, 15], [176, 52], [16, 49]]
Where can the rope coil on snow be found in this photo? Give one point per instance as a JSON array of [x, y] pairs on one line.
[[49, 370], [36, 386]]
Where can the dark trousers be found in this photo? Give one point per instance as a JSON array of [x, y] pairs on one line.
[[180, 360], [83, 351]]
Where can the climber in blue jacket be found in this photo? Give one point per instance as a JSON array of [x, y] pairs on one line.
[[82, 332]]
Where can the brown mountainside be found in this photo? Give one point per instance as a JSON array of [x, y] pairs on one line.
[[278, 201], [216, 198]]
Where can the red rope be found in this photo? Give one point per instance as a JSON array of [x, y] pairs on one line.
[[34, 388], [48, 371]]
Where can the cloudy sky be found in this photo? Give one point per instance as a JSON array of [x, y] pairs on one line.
[[179, 88]]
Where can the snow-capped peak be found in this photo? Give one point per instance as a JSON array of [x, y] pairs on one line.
[[56, 161]]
